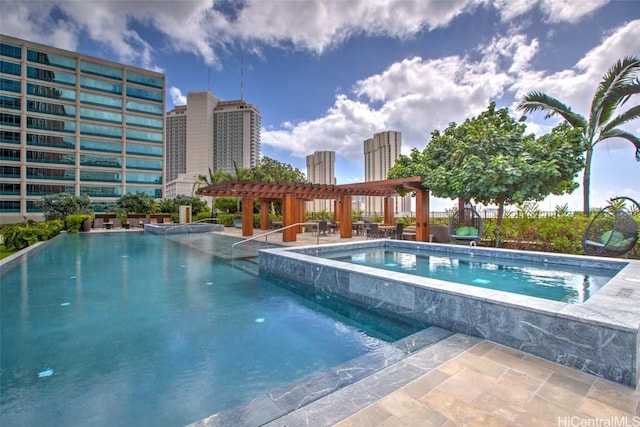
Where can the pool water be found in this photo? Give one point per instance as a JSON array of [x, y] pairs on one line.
[[566, 283], [131, 328]]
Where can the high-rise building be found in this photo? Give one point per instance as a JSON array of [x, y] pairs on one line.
[[380, 154], [321, 170], [72, 123], [176, 142], [209, 134], [236, 141]]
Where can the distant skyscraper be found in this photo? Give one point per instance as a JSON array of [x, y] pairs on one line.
[[209, 134], [76, 124], [176, 142], [380, 154], [321, 170], [236, 140]]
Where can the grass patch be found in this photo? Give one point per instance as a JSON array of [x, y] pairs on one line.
[[4, 252]]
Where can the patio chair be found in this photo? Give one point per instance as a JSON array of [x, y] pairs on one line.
[[116, 223], [612, 232], [134, 222], [399, 230], [323, 227], [98, 223], [372, 231], [465, 226]]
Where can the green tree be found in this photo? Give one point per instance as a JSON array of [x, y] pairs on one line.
[[136, 203], [213, 177], [618, 85], [226, 204], [270, 170], [62, 204], [489, 159]]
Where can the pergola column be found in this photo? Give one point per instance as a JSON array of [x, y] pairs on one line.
[[345, 217], [302, 210], [388, 210], [264, 214], [247, 216], [337, 209], [289, 216], [422, 216]]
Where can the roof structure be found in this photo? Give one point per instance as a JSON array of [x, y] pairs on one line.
[[277, 190]]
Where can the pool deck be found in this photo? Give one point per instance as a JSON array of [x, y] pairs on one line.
[[481, 383]]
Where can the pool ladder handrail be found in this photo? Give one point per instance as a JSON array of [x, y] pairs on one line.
[[278, 230]]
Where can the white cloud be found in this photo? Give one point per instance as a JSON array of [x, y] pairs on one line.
[[555, 11], [177, 98], [343, 129], [414, 96], [576, 87]]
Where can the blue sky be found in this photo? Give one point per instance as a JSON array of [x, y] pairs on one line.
[[326, 75]]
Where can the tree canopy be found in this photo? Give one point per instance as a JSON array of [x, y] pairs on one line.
[[136, 203], [618, 85], [62, 204], [489, 159], [271, 170]]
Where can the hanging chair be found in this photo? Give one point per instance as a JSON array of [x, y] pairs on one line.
[[612, 232], [465, 226]]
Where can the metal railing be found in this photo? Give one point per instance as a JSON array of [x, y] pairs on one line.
[[173, 226], [279, 230]]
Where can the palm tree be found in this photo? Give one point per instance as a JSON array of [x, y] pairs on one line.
[[620, 82], [213, 177]]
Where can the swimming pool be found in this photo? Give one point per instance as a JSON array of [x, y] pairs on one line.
[[131, 328], [598, 336], [566, 283]]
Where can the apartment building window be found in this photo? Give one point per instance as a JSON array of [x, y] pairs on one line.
[[94, 145], [10, 50], [51, 140], [104, 101], [10, 68], [100, 70], [51, 76], [51, 59], [50, 173], [51, 92]]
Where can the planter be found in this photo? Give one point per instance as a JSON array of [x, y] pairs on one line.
[[86, 225]]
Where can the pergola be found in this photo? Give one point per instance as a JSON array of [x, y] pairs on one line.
[[293, 196]]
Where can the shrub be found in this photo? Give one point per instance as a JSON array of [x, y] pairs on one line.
[[19, 236], [74, 222], [226, 219]]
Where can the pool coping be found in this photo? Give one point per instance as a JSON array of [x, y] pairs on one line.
[[293, 398], [599, 336]]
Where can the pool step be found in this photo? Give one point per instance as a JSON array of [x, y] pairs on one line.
[[248, 264]]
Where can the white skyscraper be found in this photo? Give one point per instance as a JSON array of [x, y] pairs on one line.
[[321, 170], [209, 134], [380, 154]]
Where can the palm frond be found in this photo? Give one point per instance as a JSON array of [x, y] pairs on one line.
[[632, 113], [619, 133], [540, 101], [608, 97]]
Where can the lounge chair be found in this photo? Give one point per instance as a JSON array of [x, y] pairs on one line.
[[134, 222], [116, 223], [98, 223]]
